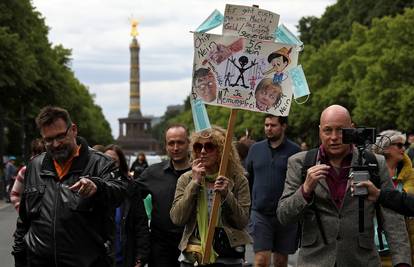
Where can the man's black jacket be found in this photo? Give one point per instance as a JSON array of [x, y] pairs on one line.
[[398, 201], [57, 227]]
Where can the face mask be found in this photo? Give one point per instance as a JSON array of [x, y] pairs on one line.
[[283, 35], [299, 85], [214, 20], [200, 117]]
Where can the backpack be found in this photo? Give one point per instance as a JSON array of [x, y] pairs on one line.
[[372, 164]]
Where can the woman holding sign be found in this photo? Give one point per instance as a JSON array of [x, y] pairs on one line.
[[193, 201]]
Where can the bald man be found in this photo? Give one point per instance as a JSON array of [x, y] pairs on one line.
[[324, 195]]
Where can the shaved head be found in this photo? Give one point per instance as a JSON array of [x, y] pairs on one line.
[[336, 111], [333, 119]]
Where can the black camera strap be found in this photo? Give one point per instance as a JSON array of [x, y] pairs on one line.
[[372, 163]]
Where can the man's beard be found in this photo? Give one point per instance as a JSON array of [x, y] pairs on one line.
[[274, 138], [61, 153]]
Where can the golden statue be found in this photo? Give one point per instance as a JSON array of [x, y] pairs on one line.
[[134, 25]]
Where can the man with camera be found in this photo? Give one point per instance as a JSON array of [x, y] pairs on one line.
[[320, 199]]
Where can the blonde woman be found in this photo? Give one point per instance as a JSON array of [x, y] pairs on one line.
[[193, 202]]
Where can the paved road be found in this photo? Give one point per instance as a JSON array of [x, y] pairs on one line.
[[7, 225]]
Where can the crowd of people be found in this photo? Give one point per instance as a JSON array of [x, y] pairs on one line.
[[84, 207]]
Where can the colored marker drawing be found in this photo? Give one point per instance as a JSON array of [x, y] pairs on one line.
[[243, 73]]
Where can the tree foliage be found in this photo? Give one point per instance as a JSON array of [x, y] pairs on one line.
[[336, 22], [370, 74], [33, 74], [358, 54]]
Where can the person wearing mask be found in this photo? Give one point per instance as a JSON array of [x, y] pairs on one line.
[[193, 201], [160, 181], [132, 233]]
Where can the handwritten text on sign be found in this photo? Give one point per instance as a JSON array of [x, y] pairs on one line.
[[250, 22]]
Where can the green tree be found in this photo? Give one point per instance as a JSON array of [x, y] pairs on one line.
[[34, 74], [337, 20]]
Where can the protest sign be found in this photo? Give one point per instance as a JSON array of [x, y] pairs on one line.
[[244, 68], [242, 73], [250, 22]]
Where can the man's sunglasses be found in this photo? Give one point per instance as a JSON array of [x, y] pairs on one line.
[[208, 147], [399, 145]]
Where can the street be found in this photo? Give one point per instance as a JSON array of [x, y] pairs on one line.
[[8, 217], [8, 223]]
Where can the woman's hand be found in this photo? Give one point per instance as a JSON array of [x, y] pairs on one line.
[[221, 185], [198, 171]]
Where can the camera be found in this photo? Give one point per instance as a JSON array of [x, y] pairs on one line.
[[360, 176], [360, 136]]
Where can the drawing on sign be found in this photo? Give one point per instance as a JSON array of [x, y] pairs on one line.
[[243, 73], [205, 85], [267, 94], [220, 52], [279, 60], [243, 61]]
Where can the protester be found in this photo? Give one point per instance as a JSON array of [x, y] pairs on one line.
[[37, 147], [243, 146], [132, 241], [321, 199], [70, 193], [390, 143], [100, 148], [139, 165], [304, 146], [10, 172], [266, 165], [193, 201], [160, 181]]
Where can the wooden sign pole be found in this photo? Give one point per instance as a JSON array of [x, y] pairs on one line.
[[222, 172]]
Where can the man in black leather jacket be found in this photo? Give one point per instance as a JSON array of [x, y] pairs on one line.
[[70, 195]]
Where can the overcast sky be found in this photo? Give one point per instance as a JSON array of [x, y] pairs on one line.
[[98, 32]]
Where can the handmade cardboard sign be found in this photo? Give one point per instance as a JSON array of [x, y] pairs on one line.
[[250, 22], [242, 73]]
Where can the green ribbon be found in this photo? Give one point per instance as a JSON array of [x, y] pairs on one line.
[[202, 216]]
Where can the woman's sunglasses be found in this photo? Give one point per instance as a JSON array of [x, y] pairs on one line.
[[399, 145], [208, 147]]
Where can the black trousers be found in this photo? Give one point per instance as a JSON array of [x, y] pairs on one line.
[[164, 251]]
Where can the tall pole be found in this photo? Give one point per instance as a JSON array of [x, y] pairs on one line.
[[217, 199], [134, 92]]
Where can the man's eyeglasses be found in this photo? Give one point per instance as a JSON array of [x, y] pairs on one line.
[[58, 138], [399, 145], [208, 147]]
